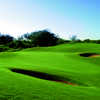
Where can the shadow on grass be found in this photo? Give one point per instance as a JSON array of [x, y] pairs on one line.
[[45, 76]]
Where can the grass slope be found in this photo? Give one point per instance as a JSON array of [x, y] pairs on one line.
[[61, 60]]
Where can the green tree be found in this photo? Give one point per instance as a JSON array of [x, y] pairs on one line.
[[5, 39], [73, 38], [42, 38]]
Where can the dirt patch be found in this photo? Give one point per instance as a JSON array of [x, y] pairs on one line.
[[90, 55], [95, 55], [44, 76]]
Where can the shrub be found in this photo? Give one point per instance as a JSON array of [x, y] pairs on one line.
[[3, 48], [5, 39]]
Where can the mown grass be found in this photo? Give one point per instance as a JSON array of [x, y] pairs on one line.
[[62, 60]]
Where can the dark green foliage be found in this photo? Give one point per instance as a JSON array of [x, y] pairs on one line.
[[5, 39], [78, 41], [91, 41], [38, 38], [67, 41], [62, 41], [20, 44], [87, 41], [3, 48], [42, 38], [98, 41]]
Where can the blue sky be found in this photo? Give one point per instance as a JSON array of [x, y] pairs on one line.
[[63, 17]]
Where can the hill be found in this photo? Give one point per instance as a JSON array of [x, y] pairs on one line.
[[51, 73]]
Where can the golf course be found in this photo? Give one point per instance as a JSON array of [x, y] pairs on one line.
[[59, 72]]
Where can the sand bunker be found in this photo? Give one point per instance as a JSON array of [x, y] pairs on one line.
[[44, 76], [90, 55]]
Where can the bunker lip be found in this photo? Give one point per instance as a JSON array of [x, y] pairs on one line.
[[44, 76], [89, 54]]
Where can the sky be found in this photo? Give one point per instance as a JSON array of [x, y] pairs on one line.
[[62, 17]]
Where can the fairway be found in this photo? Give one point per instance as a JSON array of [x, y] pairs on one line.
[[51, 73]]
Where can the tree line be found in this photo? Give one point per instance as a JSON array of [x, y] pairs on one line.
[[42, 38]]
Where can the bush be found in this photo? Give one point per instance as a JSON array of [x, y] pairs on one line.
[[62, 41], [5, 39], [20, 44], [3, 48], [87, 41], [98, 41]]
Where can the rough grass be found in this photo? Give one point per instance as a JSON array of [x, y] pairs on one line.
[[63, 61]]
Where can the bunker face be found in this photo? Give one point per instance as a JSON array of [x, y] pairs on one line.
[[41, 75], [36, 74], [89, 54]]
